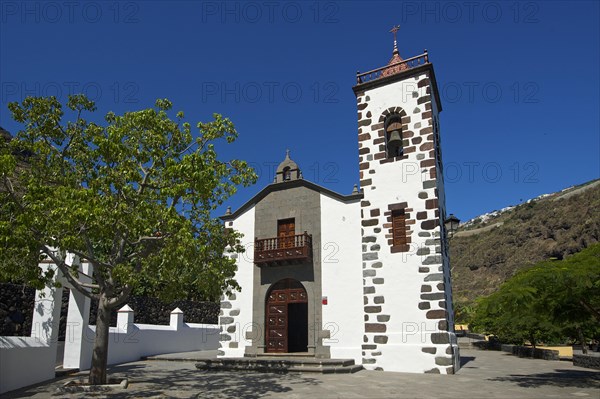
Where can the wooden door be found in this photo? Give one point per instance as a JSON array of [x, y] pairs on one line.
[[281, 295], [286, 229], [277, 322]]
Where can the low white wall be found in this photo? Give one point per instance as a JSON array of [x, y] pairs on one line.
[[129, 341], [147, 340], [24, 361], [30, 360]]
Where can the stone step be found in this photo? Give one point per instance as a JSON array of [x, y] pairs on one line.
[[328, 369], [282, 355], [279, 365], [293, 361]]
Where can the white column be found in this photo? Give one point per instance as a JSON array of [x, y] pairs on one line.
[[125, 319], [46, 311], [176, 321], [79, 337]]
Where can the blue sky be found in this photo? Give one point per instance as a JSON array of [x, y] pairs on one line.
[[519, 81]]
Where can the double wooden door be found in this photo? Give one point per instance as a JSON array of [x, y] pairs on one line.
[[287, 318]]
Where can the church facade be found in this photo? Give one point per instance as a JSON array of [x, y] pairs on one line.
[[363, 276]]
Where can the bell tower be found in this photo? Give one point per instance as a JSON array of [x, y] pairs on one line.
[[408, 316]]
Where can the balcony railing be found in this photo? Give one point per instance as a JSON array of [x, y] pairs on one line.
[[283, 250], [380, 72]]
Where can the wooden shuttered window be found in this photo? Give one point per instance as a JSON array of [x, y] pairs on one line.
[[399, 228]]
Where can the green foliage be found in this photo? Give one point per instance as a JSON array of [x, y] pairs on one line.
[[463, 312], [551, 301], [132, 196]]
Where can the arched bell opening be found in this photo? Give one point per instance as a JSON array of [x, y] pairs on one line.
[[393, 135], [287, 173]]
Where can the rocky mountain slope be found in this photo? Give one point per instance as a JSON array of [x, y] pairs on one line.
[[489, 249]]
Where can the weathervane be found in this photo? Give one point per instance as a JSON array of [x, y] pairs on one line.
[[394, 30]]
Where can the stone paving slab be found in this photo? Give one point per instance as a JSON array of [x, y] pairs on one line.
[[185, 356], [485, 374]]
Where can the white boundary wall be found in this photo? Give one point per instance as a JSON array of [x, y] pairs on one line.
[[30, 360], [129, 342]]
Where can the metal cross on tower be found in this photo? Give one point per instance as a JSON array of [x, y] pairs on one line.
[[394, 30]]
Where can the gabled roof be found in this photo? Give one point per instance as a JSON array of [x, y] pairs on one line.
[[287, 185]]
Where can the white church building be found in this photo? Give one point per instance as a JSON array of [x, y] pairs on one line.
[[363, 276]]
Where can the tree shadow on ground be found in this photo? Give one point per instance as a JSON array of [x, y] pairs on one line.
[[161, 380], [466, 359], [156, 381], [558, 378], [36, 389]]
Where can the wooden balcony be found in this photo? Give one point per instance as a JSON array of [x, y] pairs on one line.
[[284, 250]]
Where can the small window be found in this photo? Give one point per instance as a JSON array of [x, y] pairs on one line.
[[399, 228], [393, 135]]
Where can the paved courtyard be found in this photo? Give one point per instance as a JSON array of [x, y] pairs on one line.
[[485, 374]]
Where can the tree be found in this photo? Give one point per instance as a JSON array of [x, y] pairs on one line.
[[570, 290], [514, 315], [552, 300], [133, 196]]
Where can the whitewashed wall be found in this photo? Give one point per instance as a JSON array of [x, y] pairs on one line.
[[29, 360], [406, 341], [129, 341], [341, 272], [236, 317]]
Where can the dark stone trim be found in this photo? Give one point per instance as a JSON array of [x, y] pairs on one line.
[[375, 327], [380, 339], [440, 338]]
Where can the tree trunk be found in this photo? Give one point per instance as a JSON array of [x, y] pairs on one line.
[[584, 349], [100, 351], [532, 341]]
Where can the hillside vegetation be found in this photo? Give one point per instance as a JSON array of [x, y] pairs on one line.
[[484, 255]]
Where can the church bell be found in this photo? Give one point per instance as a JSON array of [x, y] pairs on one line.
[[395, 136], [395, 139]]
